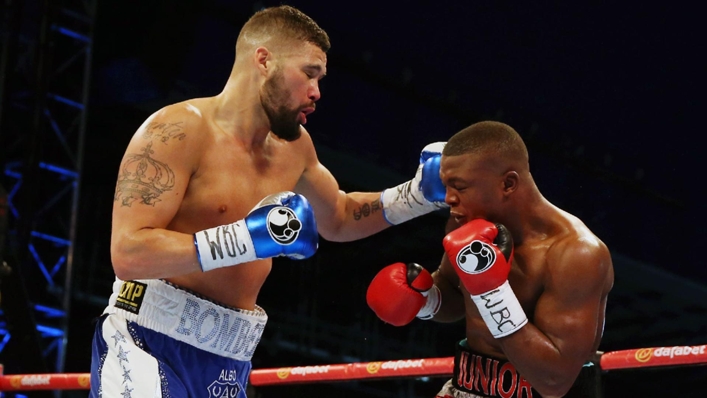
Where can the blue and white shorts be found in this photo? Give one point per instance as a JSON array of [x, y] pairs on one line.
[[157, 340]]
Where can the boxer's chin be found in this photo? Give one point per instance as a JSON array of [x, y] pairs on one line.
[[284, 124], [287, 133]]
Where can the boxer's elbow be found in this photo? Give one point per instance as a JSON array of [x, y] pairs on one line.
[[554, 387], [331, 234], [122, 270], [332, 227], [343, 233], [555, 393], [552, 392], [125, 257]]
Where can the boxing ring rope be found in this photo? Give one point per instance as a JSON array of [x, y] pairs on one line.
[[425, 367]]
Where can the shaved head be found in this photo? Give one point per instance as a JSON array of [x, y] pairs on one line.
[[489, 139], [280, 29]]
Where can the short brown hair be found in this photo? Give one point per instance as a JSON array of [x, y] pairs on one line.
[[283, 23], [488, 137]]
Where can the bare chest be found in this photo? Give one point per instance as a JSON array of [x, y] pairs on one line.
[[527, 276], [226, 187]]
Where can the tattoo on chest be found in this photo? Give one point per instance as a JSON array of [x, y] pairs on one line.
[[164, 132], [142, 179], [367, 209]]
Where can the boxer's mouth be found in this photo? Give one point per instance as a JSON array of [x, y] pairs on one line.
[[458, 217], [303, 114]]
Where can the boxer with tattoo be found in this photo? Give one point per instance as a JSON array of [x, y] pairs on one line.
[[208, 192]]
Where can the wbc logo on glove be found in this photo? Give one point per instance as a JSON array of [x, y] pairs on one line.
[[476, 257], [283, 225]]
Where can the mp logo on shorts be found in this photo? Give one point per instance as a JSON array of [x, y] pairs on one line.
[[476, 257], [283, 225], [130, 296]]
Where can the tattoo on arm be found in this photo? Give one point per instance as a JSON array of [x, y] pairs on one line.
[[142, 178], [367, 209], [164, 132]]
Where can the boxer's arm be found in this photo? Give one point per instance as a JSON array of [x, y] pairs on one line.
[[447, 281], [141, 246], [550, 350], [340, 216]]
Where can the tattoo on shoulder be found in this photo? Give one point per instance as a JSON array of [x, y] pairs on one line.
[[143, 179], [164, 132], [367, 209]]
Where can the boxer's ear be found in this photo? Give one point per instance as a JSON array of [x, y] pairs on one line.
[[263, 59], [510, 182]]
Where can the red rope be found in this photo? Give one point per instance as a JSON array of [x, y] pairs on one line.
[[654, 356], [425, 367], [46, 381], [354, 371]]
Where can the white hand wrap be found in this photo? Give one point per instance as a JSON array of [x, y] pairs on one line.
[[434, 301], [406, 201], [501, 310], [224, 246]]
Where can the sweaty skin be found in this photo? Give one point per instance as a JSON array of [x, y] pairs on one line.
[[561, 274], [208, 161]]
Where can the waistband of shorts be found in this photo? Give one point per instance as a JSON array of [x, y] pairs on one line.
[[480, 374], [184, 316]]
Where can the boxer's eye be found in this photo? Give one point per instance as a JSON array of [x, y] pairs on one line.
[[313, 72], [459, 188]]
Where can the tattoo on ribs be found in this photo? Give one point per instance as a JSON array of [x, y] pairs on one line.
[[367, 209], [164, 132], [142, 178]]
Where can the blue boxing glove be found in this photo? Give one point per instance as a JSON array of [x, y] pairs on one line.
[[281, 224], [421, 195], [430, 184]]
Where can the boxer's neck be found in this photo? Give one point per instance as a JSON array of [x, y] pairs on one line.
[[238, 110]]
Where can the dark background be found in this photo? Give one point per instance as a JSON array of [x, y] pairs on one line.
[[607, 98]]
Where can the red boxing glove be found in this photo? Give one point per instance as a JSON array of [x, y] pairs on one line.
[[400, 292], [481, 253]]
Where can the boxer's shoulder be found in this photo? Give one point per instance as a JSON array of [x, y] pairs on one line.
[[575, 239], [179, 123], [578, 254], [192, 109]]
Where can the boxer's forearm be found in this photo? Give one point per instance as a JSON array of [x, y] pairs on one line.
[[355, 215], [540, 361], [152, 253]]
